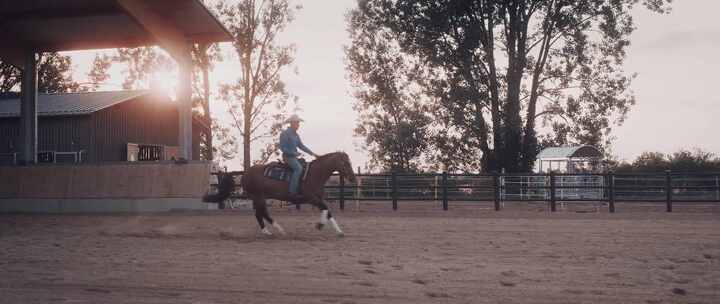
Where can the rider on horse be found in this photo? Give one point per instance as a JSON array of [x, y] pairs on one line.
[[289, 144]]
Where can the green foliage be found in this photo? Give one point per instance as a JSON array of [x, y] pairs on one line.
[[99, 71], [140, 63], [695, 160], [394, 119], [491, 69], [54, 75]]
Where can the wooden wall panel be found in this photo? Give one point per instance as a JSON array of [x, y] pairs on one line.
[[115, 180]]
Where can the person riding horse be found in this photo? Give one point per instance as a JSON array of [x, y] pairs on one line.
[[289, 144]]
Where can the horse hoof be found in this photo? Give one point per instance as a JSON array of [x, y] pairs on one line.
[[341, 235], [319, 226], [265, 231], [279, 228]]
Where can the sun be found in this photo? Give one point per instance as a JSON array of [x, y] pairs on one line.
[[164, 82]]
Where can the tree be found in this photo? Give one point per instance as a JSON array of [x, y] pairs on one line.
[[683, 160], [393, 121], [99, 71], [203, 56], [54, 75], [497, 67], [255, 26], [140, 63]]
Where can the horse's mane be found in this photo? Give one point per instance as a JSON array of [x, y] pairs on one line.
[[329, 155]]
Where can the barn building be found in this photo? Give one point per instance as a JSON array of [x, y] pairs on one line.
[[576, 159], [96, 127]]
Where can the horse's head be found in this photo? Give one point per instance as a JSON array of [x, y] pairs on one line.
[[343, 165]]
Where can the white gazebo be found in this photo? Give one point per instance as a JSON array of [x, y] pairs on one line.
[[568, 160]]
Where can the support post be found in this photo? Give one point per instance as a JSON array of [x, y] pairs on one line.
[[611, 191], [496, 190], [717, 188], [184, 98], [394, 190], [445, 190], [668, 190], [28, 108], [552, 191], [342, 192]]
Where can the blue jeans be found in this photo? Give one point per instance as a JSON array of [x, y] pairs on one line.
[[294, 163]]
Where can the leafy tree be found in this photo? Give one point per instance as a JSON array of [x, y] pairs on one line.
[[393, 121], [255, 26], [140, 63], [99, 71], [693, 160], [54, 75], [497, 67], [204, 55], [683, 160]]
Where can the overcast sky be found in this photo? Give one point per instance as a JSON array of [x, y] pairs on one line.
[[675, 56]]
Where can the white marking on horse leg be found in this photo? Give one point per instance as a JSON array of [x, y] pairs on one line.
[[324, 217], [279, 228], [266, 231], [334, 224]]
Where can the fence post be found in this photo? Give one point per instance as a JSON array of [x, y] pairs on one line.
[[394, 190], [611, 191], [445, 190], [552, 191], [668, 190], [496, 190], [717, 188], [342, 192]]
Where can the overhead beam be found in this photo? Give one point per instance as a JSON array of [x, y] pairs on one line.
[[13, 56], [13, 53], [167, 34]]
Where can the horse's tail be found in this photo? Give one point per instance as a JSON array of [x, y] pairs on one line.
[[225, 188]]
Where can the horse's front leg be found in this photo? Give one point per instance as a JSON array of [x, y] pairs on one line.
[[325, 217]]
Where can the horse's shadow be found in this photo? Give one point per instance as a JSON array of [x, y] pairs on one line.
[[164, 233]]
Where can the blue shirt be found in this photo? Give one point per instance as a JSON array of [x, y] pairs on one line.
[[290, 142]]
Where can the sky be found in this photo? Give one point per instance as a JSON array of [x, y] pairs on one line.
[[675, 57]]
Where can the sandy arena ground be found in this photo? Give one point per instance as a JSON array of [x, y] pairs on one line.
[[466, 255]]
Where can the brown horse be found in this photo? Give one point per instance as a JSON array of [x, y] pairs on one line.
[[259, 188]]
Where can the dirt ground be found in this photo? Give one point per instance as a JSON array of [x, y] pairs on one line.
[[465, 255]]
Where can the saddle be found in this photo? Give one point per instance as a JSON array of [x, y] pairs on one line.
[[280, 171]]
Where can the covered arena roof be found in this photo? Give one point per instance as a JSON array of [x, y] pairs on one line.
[[71, 103], [570, 152], [63, 25]]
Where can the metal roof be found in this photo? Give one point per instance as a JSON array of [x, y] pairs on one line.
[[71, 103], [569, 152], [63, 25]]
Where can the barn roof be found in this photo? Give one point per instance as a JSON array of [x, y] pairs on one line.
[[569, 152], [71, 103]]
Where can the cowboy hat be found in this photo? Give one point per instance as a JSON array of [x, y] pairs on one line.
[[292, 118]]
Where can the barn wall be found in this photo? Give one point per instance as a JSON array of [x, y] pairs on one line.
[[55, 133], [148, 120], [104, 187], [9, 134]]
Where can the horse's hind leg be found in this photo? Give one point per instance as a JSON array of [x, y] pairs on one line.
[[266, 216], [260, 211]]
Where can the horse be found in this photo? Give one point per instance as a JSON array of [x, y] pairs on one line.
[[258, 188]]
